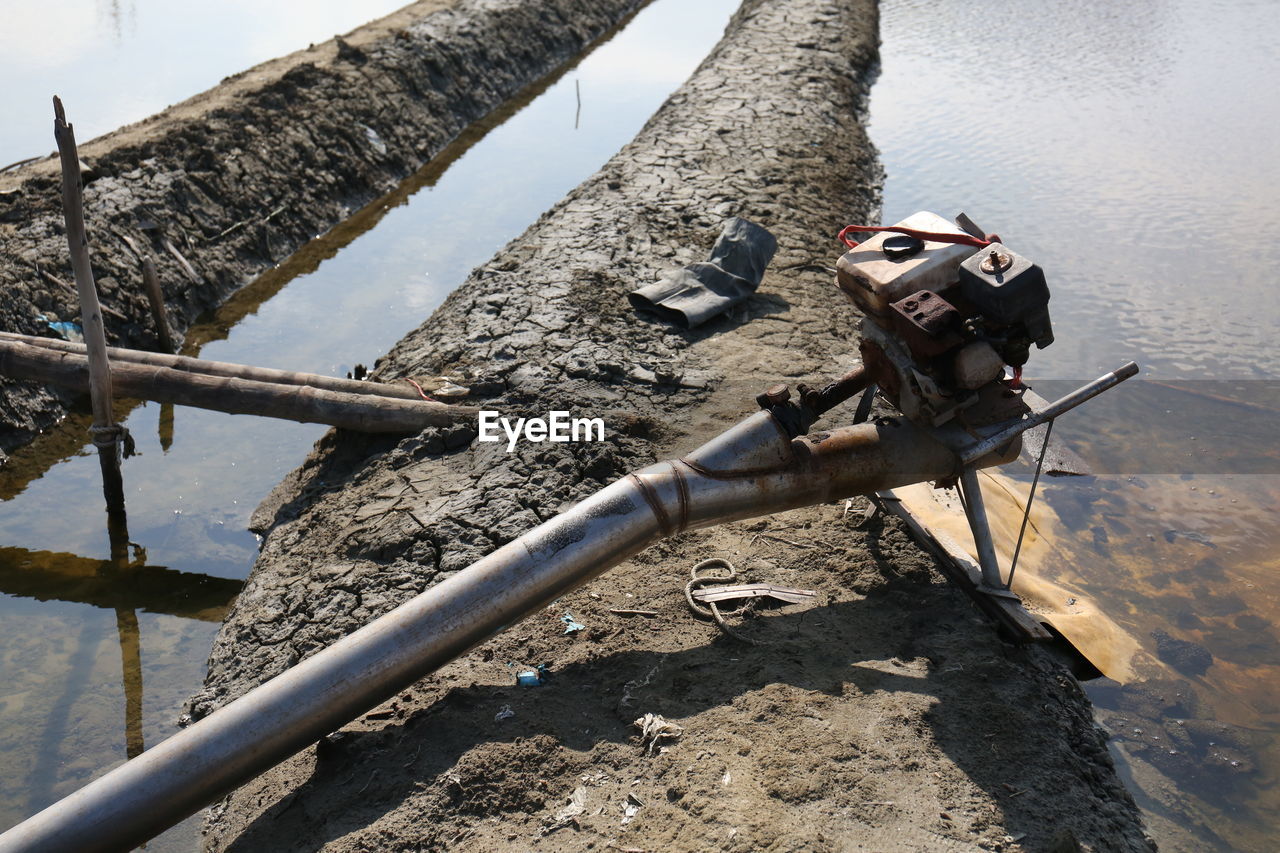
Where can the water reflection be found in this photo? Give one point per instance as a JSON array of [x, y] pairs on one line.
[[115, 584], [131, 665], [125, 584], [37, 755], [1127, 150], [1177, 548]]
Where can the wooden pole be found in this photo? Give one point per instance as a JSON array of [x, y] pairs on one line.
[[222, 368], [155, 296], [106, 436], [363, 413]]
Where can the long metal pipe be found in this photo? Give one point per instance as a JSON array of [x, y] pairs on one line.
[[752, 469]]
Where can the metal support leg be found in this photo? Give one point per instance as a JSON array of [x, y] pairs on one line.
[[977, 513]]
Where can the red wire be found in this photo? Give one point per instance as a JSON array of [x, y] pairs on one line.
[[421, 393], [931, 236]]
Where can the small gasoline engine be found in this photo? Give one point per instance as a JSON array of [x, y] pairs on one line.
[[945, 308]]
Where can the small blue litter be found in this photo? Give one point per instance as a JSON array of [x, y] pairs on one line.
[[64, 329], [570, 623], [532, 677]]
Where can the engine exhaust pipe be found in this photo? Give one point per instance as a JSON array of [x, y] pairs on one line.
[[753, 469]]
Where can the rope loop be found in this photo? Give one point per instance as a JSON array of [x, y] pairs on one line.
[[710, 610], [114, 436]]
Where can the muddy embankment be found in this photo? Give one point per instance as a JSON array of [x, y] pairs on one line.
[[223, 186], [887, 716]]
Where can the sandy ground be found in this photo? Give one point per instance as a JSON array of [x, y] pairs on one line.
[[885, 716], [224, 186]]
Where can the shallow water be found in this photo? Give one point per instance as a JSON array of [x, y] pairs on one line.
[[1129, 149], [69, 610]]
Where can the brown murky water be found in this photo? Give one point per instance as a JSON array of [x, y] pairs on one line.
[[1129, 149], [1175, 540]]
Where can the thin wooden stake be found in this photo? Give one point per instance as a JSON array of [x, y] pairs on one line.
[[151, 283], [106, 437]]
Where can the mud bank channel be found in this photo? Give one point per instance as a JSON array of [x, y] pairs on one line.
[[889, 716]]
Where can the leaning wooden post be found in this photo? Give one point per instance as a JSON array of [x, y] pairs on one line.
[[106, 435], [151, 283]]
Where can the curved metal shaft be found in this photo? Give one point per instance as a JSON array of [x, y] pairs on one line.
[[751, 470]]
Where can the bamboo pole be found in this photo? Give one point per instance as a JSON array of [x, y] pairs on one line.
[[155, 296], [363, 413], [106, 436], [227, 369]]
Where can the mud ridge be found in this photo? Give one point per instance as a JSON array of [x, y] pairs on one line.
[[224, 186], [889, 716]]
